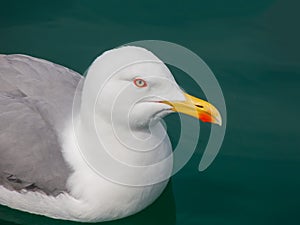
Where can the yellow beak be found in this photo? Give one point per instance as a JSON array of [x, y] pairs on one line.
[[197, 108]]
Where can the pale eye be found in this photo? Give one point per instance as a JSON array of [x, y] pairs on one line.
[[140, 82]]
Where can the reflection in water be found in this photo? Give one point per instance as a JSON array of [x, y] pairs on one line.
[[162, 211]]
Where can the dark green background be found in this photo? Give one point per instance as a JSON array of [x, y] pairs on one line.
[[253, 49]]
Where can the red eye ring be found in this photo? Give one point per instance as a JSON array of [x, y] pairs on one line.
[[140, 82]]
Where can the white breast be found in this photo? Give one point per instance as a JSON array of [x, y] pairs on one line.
[[98, 198]]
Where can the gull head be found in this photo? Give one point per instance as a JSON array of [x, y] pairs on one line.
[[132, 87]]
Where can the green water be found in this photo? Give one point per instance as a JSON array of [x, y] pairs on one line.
[[253, 49]]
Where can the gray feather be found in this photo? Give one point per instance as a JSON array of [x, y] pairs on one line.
[[35, 102]]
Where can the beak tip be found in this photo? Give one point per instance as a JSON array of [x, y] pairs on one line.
[[219, 120]]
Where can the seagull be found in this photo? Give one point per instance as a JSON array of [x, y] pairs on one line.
[[66, 140]]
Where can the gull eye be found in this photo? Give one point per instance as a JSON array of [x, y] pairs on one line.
[[139, 82]]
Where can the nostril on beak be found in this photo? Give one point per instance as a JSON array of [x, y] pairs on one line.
[[200, 106]]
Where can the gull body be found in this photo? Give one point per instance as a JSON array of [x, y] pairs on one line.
[[53, 168]]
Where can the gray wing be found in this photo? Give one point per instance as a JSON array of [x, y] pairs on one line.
[[35, 100]]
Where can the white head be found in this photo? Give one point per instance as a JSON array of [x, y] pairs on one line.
[[133, 87]]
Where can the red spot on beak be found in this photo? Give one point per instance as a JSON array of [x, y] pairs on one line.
[[205, 118]]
